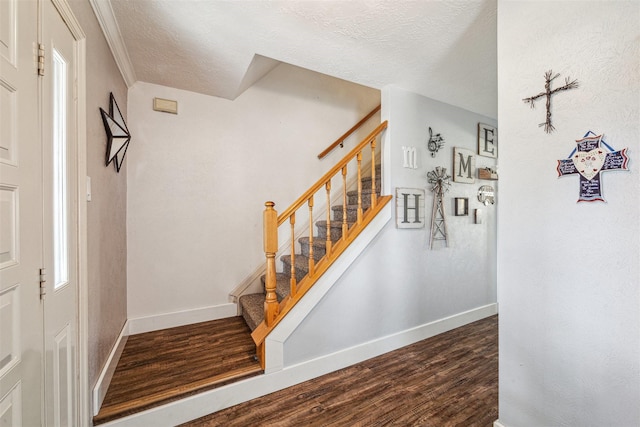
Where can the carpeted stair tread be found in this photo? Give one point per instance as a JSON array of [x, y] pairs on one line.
[[352, 197], [302, 265], [366, 182], [252, 305], [336, 229], [319, 247], [302, 262], [317, 241], [282, 285], [334, 225], [252, 309], [352, 212]]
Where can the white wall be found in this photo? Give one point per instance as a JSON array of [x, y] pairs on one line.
[[568, 273], [197, 181], [398, 283], [106, 213]]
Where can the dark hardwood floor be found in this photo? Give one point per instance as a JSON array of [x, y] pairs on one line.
[[447, 380], [162, 366]]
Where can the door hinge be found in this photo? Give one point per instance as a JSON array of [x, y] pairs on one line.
[[40, 59], [43, 282]]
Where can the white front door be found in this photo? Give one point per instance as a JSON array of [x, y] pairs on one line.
[[21, 339], [60, 219], [38, 217]]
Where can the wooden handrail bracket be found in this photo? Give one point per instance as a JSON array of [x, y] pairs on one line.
[[333, 171], [348, 133]]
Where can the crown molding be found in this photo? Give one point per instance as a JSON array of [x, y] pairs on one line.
[[103, 11]]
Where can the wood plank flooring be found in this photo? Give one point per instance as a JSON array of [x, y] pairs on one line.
[[161, 366], [448, 380]]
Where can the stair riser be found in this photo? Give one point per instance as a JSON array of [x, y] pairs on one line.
[[318, 250], [352, 213], [252, 308], [336, 232], [282, 285], [352, 200], [366, 183], [251, 323], [300, 272]]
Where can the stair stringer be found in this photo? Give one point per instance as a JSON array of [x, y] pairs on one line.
[[274, 342]]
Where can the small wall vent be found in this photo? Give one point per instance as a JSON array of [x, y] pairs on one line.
[[165, 105]]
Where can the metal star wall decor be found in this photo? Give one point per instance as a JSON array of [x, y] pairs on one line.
[[549, 77], [118, 136]]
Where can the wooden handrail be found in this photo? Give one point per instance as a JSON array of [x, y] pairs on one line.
[[355, 127], [327, 176], [274, 312]]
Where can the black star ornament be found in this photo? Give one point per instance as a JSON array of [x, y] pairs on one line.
[[118, 136]]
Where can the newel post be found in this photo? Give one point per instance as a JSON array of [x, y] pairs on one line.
[[270, 225]]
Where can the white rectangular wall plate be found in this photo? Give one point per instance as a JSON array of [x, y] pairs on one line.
[[165, 105]]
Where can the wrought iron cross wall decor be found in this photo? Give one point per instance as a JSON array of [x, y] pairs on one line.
[[549, 77]]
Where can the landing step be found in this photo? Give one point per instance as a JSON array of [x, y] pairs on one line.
[[163, 366]]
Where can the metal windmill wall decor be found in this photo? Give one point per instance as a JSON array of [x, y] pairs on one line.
[[440, 183]]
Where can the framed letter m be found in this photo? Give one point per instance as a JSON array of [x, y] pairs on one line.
[[464, 165]]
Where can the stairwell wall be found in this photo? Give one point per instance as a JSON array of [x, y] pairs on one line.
[[398, 283], [198, 181]]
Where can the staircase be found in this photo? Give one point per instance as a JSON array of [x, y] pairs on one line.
[[321, 248], [252, 305]]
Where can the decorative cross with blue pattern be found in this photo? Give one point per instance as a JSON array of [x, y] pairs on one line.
[[588, 160]]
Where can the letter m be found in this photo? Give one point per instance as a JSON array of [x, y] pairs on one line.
[[464, 166]]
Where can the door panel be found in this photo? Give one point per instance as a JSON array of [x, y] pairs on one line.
[[60, 215], [21, 338]]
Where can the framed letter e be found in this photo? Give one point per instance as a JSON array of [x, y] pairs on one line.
[[487, 141]]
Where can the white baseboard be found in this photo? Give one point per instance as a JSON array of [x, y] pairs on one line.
[[350, 356], [202, 404], [156, 322], [102, 385], [497, 423]]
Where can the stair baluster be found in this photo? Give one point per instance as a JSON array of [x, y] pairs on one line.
[[328, 242], [373, 173], [292, 282], [345, 225], [311, 260], [359, 215], [271, 306]]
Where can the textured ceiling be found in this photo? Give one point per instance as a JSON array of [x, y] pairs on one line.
[[442, 49]]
